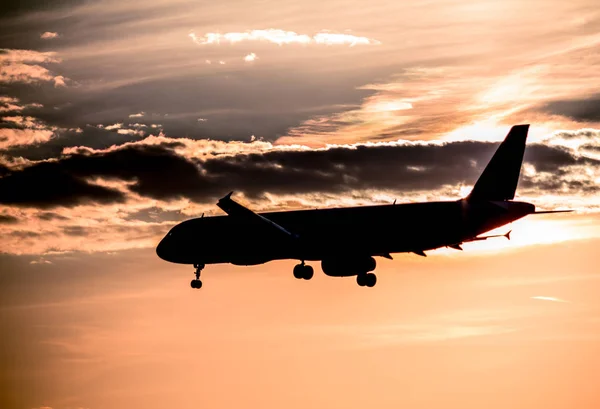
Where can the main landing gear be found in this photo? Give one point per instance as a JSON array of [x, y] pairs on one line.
[[366, 279], [197, 283], [303, 271]]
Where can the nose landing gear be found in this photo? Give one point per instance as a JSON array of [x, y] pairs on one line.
[[196, 283], [303, 271]]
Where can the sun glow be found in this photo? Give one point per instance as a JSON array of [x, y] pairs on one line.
[[533, 231]]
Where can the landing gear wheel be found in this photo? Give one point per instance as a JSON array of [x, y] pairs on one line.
[[197, 283], [303, 271], [307, 272], [299, 271], [361, 280], [371, 280], [366, 280]]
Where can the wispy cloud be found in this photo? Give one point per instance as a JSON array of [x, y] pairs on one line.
[[24, 66], [49, 35], [15, 137], [283, 37], [250, 57], [11, 104], [544, 298], [40, 261], [113, 126]]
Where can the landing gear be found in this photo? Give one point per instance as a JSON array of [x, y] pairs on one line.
[[197, 283], [303, 271], [366, 280]]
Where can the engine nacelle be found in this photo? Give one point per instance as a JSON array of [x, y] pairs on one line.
[[349, 266]]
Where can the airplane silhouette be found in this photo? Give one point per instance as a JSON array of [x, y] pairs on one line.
[[346, 240]]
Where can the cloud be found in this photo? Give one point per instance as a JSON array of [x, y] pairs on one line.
[[59, 81], [8, 219], [15, 137], [577, 109], [282, 37], [250, 57], [13, 105], [40, 261], [28, 56], [132, 132], [113, 126], [138, 115], [199, 173], [544, 298], [22, 130], [23, 66], [48, 35]]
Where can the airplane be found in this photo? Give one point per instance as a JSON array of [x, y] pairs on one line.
[[347, 240]]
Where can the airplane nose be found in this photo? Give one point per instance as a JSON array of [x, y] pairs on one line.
[[162, 250]]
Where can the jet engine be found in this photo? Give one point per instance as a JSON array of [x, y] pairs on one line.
[[348, 266]]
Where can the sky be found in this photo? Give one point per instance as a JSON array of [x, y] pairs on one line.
[[120, 119]]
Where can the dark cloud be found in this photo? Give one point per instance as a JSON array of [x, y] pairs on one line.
[[582, 109], [50, 184], [590, 147], [90, 136], [235, 106], [158, 172], [4, 170], [76, 231], [14, 8], [50, 216], [8, 219], [24, 234], [552, 158]]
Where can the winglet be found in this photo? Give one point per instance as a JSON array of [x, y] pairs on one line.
[[507, 235]]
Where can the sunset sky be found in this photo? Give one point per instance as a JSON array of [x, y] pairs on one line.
[[118, 119]]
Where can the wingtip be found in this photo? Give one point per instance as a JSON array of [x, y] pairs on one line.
[[224, 200]]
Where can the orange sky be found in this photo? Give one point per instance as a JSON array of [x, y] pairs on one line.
[[119, 119], [452, 330]]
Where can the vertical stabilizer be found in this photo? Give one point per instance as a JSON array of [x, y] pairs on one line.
[[500, 177]]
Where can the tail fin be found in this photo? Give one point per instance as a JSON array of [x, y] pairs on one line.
[[500, 177]]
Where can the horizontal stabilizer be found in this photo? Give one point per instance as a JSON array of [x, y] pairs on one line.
[[507, 235], [553, 211]]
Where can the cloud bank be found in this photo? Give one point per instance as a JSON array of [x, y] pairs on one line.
[[283, 37]]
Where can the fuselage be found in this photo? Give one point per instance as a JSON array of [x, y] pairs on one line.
[[329, 233]]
